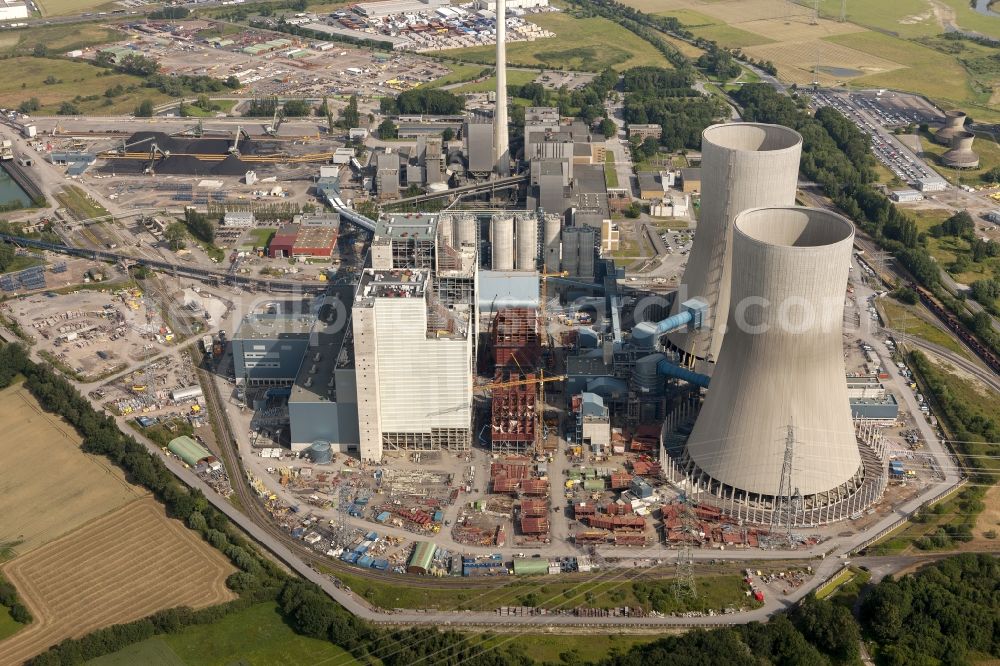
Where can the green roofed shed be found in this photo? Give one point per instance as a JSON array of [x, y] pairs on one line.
[[421, 559], [188, 450]]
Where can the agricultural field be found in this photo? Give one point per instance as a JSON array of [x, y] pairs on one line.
[[948, 84], [873, 48], [257, 636], [68, 7], [68, 81], [43, 466], [583, 44], [118, 568], [57, 38]]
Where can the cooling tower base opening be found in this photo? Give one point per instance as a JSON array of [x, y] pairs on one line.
[[845, 501]]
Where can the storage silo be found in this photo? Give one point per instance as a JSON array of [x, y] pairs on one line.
[[961, 155], [465, 229], [321, 452], [743, 165], [954, 122], [779, 383], [570, 251], [527, 242], [552, 225], [447, 229], [502, 242]]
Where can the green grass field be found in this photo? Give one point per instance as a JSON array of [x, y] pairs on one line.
[[730, 36], [946, 250], [74, 81], [224, 106], [8, 627], [589, 44], [970, 19], [260, 237], [64, 7], [715, 592], [949, 81], [57, 38], [458, 74], [906, 18], [79, 204], [914, 322], [610, 174], [257, 636], [515, 77]]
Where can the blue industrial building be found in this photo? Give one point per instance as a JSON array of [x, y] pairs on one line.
[[268, 348]]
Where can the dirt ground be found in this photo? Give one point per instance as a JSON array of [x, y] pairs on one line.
[[119, 568], [48, 486]]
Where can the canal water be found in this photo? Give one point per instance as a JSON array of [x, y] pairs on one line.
[[11, 191], [983, 7]]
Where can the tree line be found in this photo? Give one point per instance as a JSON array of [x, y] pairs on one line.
[[665, 97]]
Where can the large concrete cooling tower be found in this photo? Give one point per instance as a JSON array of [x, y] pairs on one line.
[[954, 122], [961, 155], [743, 165], [781, 365]]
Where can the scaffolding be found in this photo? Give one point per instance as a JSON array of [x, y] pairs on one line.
[[513, 414]]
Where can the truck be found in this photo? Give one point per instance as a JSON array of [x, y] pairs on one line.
[[206, 344]]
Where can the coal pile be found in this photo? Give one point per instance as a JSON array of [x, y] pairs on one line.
[[182, 160]]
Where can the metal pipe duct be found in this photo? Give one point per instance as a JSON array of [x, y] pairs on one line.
[[668, 369], [743, 165], [782, 361]]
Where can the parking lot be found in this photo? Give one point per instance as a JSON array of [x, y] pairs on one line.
[[871, 119]]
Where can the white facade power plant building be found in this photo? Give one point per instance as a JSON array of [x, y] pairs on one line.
[[776, 429], [743, 165], [413, 360]]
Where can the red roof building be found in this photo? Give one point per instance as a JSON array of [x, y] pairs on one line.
[[315, 241], [534, 508], [535, 487], [283, 243], [534, 525]]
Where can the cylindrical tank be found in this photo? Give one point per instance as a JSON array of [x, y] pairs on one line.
[[465, 229], [502, 242], [743, 165], [961, 155], [552, 225], [782, 360], [321, 452], [447, 230], [527, 242], [570, 251], [954, 122]]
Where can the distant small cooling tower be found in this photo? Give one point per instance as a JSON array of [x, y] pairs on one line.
[[954, 122], [781, 365], [743, 165], [961, 155]]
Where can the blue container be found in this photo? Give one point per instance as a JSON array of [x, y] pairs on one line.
[[381, 565], [365, 561]]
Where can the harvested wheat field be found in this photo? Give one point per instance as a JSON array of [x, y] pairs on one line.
[[48, 486], [121, 567]]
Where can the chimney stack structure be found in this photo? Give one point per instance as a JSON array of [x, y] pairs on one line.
[[502, 153]]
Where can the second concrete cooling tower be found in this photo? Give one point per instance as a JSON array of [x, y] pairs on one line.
[[781, 365], [743, 165]]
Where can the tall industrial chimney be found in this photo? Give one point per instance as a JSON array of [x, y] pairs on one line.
[[500, 116], [743, 165]]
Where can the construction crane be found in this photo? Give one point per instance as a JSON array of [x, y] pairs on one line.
[[541, 380]]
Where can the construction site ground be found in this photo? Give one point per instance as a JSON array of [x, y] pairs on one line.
[[93, 332]]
